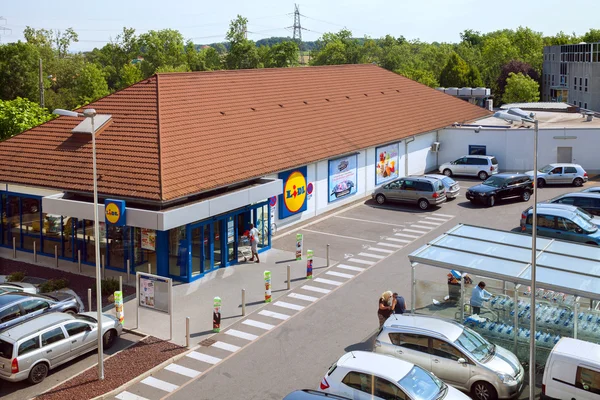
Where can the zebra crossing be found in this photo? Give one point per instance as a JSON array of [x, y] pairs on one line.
[[225, 344]]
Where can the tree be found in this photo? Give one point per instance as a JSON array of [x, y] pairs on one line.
[[593, 35], [62, 41], [130, 74], [530, 46], [170, 68], [338, 48], [514, 66], [455, 72], [284, 54], [496, 51], [521, 89], [19, 71], [89, 84], [19, 115], [160, 49], [473, 38], [243, 53], [422, 76]]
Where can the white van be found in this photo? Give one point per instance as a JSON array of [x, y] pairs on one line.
[[572, 371]]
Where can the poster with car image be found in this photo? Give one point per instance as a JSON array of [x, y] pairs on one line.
[[387, 163], [342, 177]]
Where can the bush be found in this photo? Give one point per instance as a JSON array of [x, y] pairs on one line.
[[109, 286], [17, 276], [53, 285]]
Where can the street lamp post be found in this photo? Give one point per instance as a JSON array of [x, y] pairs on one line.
[[91, 113], [524, 118]]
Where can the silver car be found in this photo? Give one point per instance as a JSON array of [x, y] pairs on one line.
[[594, 189], [452, 187], [418, 190], [556, 174], [8, 287], [30, 349], [454, 353], [472, 165]]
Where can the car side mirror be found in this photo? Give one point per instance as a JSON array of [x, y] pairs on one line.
[[550, 173], [461, 361]]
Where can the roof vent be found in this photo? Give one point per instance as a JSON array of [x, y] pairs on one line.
[[253, 109], [382, 92], [366, 95], [222, 112], [348, 97], [326, 99], [281, 105], [397, 90], [305, 102]]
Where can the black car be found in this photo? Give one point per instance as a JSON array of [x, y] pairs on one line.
[[17, 307], [501, 186], [588, 201]]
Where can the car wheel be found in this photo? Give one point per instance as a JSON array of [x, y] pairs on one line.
[[380, 199], [472, 201], [71, 312], [592, 243], [109, 339], [578, 182], [526, 196], [447, 172], [491, 201], [423, 204], [483, 175], [541, 183], [484, 391], [38, 373]]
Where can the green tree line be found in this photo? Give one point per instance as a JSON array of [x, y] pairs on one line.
[[505, 60]]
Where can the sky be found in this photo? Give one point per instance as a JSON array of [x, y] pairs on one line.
[[97, 22]]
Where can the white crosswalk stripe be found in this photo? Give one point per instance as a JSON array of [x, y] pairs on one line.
[[359, 261], [406, 235], [414, 231], [181, 370], [422, 227], [316, 289], [226, 346], [203, 357], [377, 256], [129, 396], [437, 219], [443, 215], [274, 314], [288, 305], [302, 297], [240, 334], [429, 223], [350, 267], [340, 274], [258, 324], [389, 245], [381, 250], [328, 281], [158, 384], [399, 240]]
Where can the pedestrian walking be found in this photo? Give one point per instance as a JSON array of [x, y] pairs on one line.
[[400, 304], [385, 307], [478, 296], [254, 242]]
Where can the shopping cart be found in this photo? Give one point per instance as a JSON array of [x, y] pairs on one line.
[[244, 248]]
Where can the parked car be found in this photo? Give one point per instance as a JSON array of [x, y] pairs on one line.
[[572, 371], [9, 287], [501, 186], [481, 166], [364, 376], [594, 189], [589, 202], [413, 189], [454, 353], [307, 394], [16, 307], [452, 187], [32, 348], [553, 174], [564, 222]]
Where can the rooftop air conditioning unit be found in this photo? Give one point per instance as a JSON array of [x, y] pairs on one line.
[[435, 147]]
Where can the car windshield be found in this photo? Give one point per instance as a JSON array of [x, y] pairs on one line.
[[494, 181], [546, 169], [585, 223], [584, 214], [476, 345], [448, 182], [421, 385]]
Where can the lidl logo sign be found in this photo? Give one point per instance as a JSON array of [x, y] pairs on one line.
[[293, 199], [114, 212]]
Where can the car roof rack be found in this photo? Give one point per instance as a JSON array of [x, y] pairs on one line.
[[26, 320]]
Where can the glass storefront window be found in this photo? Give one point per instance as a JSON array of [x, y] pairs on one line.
[[178, 265], [30, 222], [13, 220], [67, 228], [52, 225], [116, 246], [217, 243], [197, 244], [262, 224], [206, 244]]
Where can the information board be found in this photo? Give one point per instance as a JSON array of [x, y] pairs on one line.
[[154, 292]]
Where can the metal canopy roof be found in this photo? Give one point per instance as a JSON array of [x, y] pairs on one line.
[[561, 266]]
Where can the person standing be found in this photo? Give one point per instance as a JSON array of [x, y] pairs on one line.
[[400, 306], [385, 308], [254, 242], [478, 296]]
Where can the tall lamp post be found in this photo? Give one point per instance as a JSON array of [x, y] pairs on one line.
[[520, 116], [91, 114]]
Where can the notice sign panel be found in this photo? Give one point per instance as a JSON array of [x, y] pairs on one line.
[[154, 292]]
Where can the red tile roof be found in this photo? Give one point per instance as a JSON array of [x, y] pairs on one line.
[[179, 134]]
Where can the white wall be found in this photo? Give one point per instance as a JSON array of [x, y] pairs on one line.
[[514, 147]]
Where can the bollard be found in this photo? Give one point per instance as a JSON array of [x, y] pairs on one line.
[[217, 314], [90, 300], [243, 302], [187, 331], [309, 264], [103, 267], [79, 260], [267, 277], [328, 255], [56, 255], [120, 284], [128, 270], [14, 247], [289, 275], [34, 252]]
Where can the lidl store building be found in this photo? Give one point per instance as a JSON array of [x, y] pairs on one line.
[[187, 161]]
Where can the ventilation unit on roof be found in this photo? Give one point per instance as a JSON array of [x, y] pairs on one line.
[[435, 147]]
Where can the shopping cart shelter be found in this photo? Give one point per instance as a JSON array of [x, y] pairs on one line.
[[187, 161]]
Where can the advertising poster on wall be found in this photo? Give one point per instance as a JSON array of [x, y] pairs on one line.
[[342, 177], [387, 163], [230, 231], [148, 239]]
